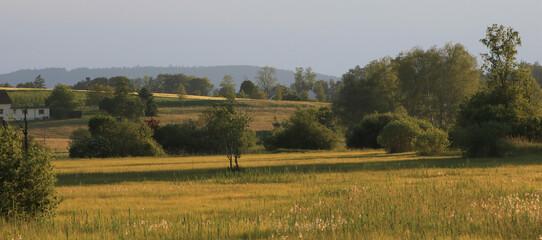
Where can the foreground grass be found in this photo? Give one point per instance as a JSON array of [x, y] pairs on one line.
[[313, 195]]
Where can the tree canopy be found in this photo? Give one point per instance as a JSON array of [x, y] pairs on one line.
[[506, 105], [429, 84], [266, 78], [229, 126], [61, 101]]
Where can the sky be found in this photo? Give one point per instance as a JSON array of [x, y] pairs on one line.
[[329, 36]]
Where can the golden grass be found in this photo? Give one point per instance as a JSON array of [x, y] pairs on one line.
[[195, 97], [24, 89], [313, 195]]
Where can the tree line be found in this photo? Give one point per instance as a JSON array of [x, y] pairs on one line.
[[429, 84], [482, 109], [264, 86]]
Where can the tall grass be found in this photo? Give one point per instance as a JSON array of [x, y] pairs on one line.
[[312, 195]]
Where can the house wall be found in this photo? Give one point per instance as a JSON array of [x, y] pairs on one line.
[[5, 109], [33, 113]]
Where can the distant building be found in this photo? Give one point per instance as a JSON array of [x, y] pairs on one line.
[[7, 112]]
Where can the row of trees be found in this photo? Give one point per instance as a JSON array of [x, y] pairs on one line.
[[118, 101], [480, 107], [165, 83], [123, 104], [39, 82], [267, 87], [264, 86], [429, 84]]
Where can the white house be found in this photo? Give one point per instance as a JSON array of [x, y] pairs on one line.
[[7, 112]]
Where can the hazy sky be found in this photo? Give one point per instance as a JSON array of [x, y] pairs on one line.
[[330, 36]]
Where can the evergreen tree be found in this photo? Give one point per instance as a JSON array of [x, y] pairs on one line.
[[151, 109], [39, 82]]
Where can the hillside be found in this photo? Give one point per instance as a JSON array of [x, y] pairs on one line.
[[53, 76]]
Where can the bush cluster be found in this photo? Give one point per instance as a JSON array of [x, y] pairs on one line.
[[397, 133], [187, 137], [308, 128], [196, 137], [484, 139], [431, 142], [365, 133], [107, 137]]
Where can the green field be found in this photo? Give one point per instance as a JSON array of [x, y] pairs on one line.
[[311, 195]]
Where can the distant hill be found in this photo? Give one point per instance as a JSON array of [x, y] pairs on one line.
[[53, 76]]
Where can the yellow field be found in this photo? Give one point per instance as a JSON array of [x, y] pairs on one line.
[[311, 195]]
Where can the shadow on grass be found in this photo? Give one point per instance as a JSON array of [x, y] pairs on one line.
[[75, 179]]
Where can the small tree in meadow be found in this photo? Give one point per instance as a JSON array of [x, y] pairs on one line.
[[229, 126]]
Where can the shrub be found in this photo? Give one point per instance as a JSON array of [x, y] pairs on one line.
[[398, 136], [305, 129], [109, 138], [431, 142], [186, 137], [365, 133], [26, 180], [92, 147], [483, 139]]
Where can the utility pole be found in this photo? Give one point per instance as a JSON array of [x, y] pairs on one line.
[[25, 131]]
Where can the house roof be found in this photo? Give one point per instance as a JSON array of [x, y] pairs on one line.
[[4, 98]]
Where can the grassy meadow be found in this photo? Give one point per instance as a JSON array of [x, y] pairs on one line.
[[313, 195]]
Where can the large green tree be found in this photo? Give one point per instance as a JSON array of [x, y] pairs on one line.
[[304, 80], [506, 103], [373, 88], [61, 101], [123, 104], [266, 78], [434, 82]]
